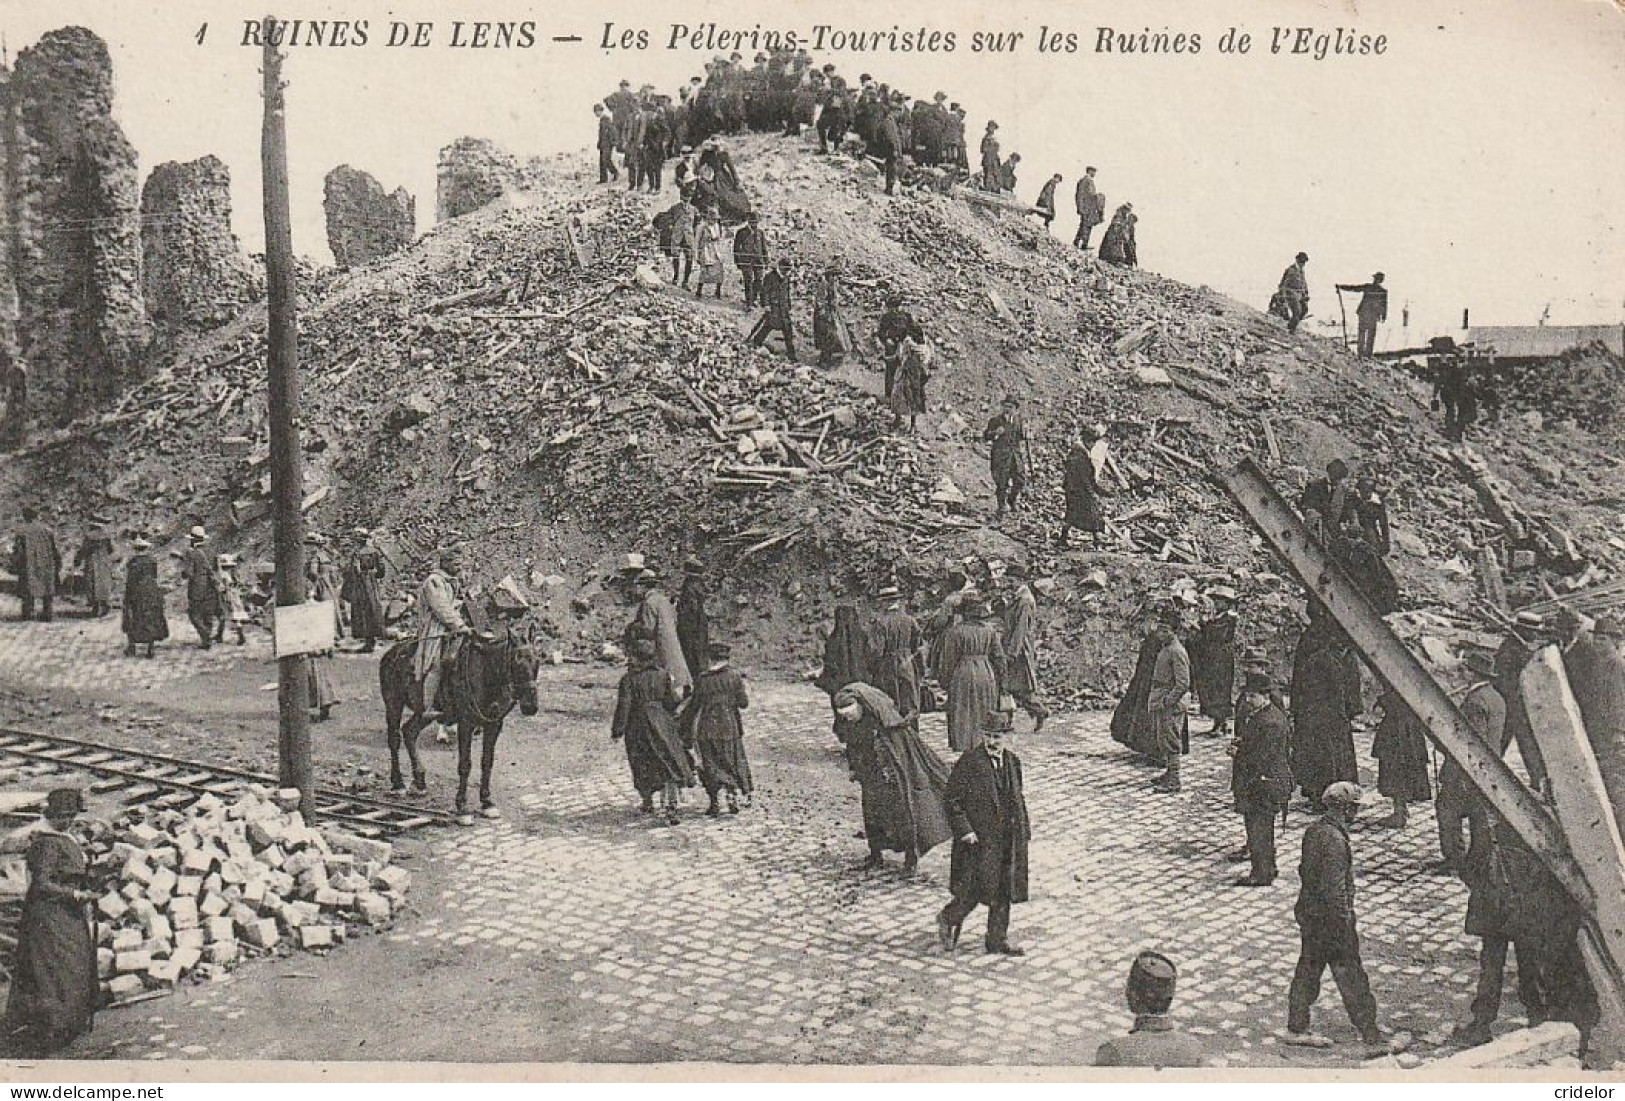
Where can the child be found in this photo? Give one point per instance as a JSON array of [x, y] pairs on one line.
[[231, 599], [712, 720]]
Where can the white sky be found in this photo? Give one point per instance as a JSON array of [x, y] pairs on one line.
[[1480, 163]]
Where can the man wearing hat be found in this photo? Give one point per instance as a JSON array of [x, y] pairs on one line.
[[1006, 434], [992, 165], [622, 105], [1091, 206], [1257, 660], [441, 626], [1325, 913], [988, 814], [1080, 486], [1293, 291], [1153, 1041], [1213, 658], [1020, 644], [95, 560], [894, 639], [143, 620], [606, 144], [202, 586], [37, 563], [656, 619], [693, 623], [1373, 308], [751, 257], [1165, 705], [1260, 773], [775, 298], [1458, 801], [53, 979]]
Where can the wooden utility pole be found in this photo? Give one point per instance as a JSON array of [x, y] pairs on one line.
[[287, 467]]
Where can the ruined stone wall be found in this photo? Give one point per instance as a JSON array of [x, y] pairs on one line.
[[194, 273], [364, 223], [74, 204], [473, 172]]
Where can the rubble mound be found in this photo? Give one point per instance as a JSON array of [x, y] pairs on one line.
[[195, 273], [525, 381], [364, 223], [475, 172], [1583, 385], [72, 205]]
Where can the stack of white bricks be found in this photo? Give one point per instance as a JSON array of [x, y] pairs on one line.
[[201, 889]]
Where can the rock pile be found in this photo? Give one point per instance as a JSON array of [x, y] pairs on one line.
[[474, 172], [194, 272], [193, 892], [72, 203], [364, 222]]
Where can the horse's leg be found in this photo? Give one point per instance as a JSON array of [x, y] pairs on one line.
[[465, 761], [488, 758], [392, 727], [414, 727]]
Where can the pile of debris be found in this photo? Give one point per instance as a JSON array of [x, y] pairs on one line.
[[1583, 385], [194, 272], [196, 891]]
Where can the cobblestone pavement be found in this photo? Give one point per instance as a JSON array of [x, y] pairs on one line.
[[81, 654], [756, 939]]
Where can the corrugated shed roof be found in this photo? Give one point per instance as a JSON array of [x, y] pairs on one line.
[[1545, 341]]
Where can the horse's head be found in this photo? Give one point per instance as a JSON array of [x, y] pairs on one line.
[[523, 663]]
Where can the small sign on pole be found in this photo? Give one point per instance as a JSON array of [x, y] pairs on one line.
[[307, 628]]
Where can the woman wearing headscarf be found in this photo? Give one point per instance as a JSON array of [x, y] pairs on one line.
[[645, 718], [901, 779], [972, 671], [144, 621], [1117, 247], [908, 392], [830, 333], [53, 981]]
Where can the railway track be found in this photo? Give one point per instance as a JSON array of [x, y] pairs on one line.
[[173, 782]]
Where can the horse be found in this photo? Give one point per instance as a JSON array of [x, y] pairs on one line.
[[479, 687]]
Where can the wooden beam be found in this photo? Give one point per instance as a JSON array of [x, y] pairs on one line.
[[1588, 819], [1400, 670]]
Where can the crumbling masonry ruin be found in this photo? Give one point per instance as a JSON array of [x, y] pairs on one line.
[[363, 222], [69, 216], [194, 274], [473, 172]]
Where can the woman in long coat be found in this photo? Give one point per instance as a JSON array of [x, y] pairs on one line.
[[1401, 750], [645, 718], [902, 780], [656, 620], [1082, 492], [144, 619], [908, 391], [53, 982], [1131, 721], [830, 333], [1213, 660], [846, 657], [712, 724], [972, 669], [1118, 247], [363, 592], [1323, 707], [95, 558]]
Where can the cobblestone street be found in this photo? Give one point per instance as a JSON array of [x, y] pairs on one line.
[[758, 939]]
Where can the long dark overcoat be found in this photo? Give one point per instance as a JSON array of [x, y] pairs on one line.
[[995, 866]]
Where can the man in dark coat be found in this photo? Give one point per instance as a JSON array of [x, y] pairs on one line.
[[362, 590], [693, 625], [1260, 775], [623, 106], [656, 144], [891, 647], [896, 325], [1294, 292], [1330, 499], [1325, 913], [1080, 486], [1213, 659], [37, 563], [202, 586], [988, 813], [750, 256], [1153, 1041], [1512, 903], [775, 296], [1091, 207], [1046, 199], [1007, 457], [992, 164], [1373, 308], [888, 147], [1458, 801], [606, 145], [1324, 704]]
